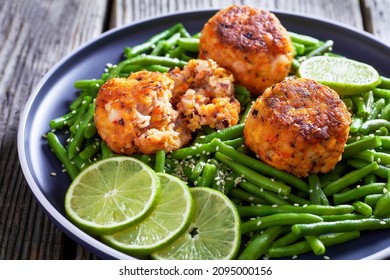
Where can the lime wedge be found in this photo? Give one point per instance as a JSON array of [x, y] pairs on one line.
[[214, 233], [112, 194], [345, 76], [170, 218]]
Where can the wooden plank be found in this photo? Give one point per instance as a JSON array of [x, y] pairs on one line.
[[127, 11], [377, 19], [34, 35]]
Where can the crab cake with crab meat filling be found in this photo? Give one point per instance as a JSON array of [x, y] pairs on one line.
[[251, 43], [299, 126], [204, 95], [134, 115]]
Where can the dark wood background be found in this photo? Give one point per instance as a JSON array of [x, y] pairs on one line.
[[35, 34]]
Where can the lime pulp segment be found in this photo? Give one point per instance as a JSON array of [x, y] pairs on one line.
[[214, 233], [170, 218], [112, 194]]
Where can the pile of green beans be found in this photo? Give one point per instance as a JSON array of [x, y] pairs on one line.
[[281, 215]]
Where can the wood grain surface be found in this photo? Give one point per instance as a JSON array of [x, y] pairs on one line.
[[36, 34]]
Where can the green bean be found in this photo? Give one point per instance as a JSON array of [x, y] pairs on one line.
[[382, 158], [268, 196], [319, 210], [159, 162], [349, 179], [303, 39], [261, 167], [61, 121], [296, 199], [385, 114], [235, 143], [90, 131], [253, 176], [86, 84], [304, 247], [367, 155], [171, 41], [75, 142], [279, 219], [326, 47], [106, 151], [189, 44], [381, 93], [342, 217], [245, 196], [146, 60], [348, 102], [370, 142], [90, 150], [340, 226], [381, 171], [285, 240], [229, 133], [382, 207], [372, 199], [316, 245], [176, 52], [362, 208], [376, 109], [77, 102], [198, 168], [246, 112], [208, 175], [369, 179], [295, 65], [358, 192], [356, 124], [361, 109], [62, 154], [242, 94], [385, 83], [259, 243], [385, 142], [80, 163], [317, 196], [333, 175], [80, 113], [146, 46], [299, 49], [195, 150]]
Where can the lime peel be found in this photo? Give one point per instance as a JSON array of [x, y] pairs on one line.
[[170, 218], [345, 76], [112, 194], [214, 233]]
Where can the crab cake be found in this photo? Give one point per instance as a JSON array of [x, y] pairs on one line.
[[249, 42], [299, 126], [135, 114], [204, 95]]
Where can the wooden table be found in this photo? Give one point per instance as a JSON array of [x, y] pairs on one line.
[[35, 34]]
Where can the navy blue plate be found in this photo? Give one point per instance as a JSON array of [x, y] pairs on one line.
[[55, 92]]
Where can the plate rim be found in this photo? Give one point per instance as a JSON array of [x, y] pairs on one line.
[[95, 246]]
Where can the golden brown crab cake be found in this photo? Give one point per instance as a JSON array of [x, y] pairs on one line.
[[135, 114], [299, 126], [251, 43], [204, 95]]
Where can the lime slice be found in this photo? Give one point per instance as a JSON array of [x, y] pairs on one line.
[[112, 194], [170, 218], [345, 76], [214, 233]]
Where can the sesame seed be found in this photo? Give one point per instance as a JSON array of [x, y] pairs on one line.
[[258, 223], [53, 174], [304, 205], [294, 257], [382, 222], [326, 258], [296, 204], [250, 198], [274, 205]]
